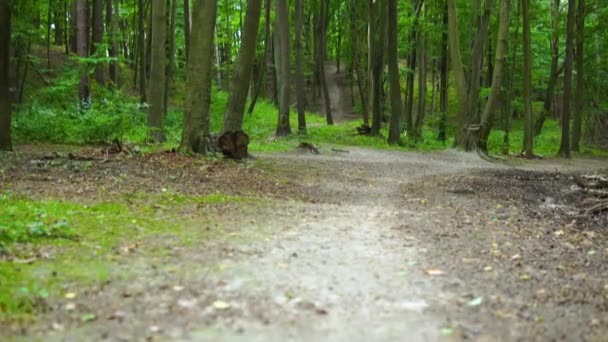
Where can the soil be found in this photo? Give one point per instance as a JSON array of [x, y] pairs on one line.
[[359, 245], [340, 96]]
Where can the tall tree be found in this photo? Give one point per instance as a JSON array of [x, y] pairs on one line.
[[377, 41], [265, 61], [195, 132], [321, 56], [5, 96], [497, 77], [82, 49], [579, 99], [186, 27], [112, 23], [564, 149], [97, 39], [157, 71], [239, 87], [283, 65], [170, 71], [528, 148], [299, 62], [443, 82], [141, 16], [554, 73], [394, 134]]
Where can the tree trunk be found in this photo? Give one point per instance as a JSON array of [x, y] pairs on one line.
[[394, 135], [171, 55], [142, 50], [186, 28], [283, 65], [81, 42], [412, 61], [195, 132], [239, 87], [461, 84], [321, 57], [299, 62], [59, 22], [422, 85], [266, 59], [48, 34], [5, 96], [497, 77], [579, 99], [157, 72], [528, 148], [112, 23], [554, 76], [378, 64], [357, 62], [97, 39], [443, 92], [564, 149]]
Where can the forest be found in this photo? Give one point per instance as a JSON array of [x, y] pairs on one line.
[[304, 169]]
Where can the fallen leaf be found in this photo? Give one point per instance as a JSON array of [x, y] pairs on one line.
[[447, 331], [70, 295], [515, 257], [476, 302], [525, 277], [559, 233], [221, 305], [591, 252], [88, 317], [434, 272], [70, 307], [488, 268]]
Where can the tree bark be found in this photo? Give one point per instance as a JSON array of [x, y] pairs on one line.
[[457, 69], [554, 76], [187, 28], [141, 11], [394, 135], [196, 128], [378, 65], [422, 85], [299, 62], [266, 59], [564, 149], [321, 57], [497, 76], [239, 87], [528, 148], [579, 99], [48, 34], [171, 54], [83, 51], [157, 71], [443, 97], [357, 62], [5, 96], [97, 39], [283, 65]]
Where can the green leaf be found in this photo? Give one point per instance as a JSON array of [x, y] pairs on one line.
[[476, 302]]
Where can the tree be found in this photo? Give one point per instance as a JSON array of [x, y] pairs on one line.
[[157, 72], [5, 96], [83, 51], [239, 87], [528, 148], [579, 99], [97, 39], [198, 84], [282, 57], [393, 73], [564, 149], [299, 62], [497, 77], [321, 49]]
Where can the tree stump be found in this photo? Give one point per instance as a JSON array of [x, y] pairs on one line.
[[234, 144]]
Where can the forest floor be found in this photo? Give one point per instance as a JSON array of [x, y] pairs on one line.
[[352, 244]]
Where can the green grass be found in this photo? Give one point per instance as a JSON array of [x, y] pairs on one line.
[[84, 242]]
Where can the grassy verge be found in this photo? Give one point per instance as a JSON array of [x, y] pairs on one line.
[[49, 248]]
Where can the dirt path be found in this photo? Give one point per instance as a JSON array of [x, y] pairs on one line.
[[339, 94], [383, 248]]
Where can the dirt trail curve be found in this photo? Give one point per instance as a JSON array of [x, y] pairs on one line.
[[349, 265], [339, 94]]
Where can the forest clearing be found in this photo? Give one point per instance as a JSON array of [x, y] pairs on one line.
[[306, 170]]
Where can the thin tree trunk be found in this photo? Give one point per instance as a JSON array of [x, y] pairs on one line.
[[579, 99], [461, 84], [564, 150], [97, 39], [357, 62], [239, 87], [197, 123], [378, 65], [5, 96], [299, 62], [266, 59], [394, 135], [554, 76], [528, 148], [283, 66], [497, 77], [157, 74], [142, 50], [59, 22], [443, 87], [171, 54], [422, 86], [81, 42], [187, 28], [48, 34], [321, 57]]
